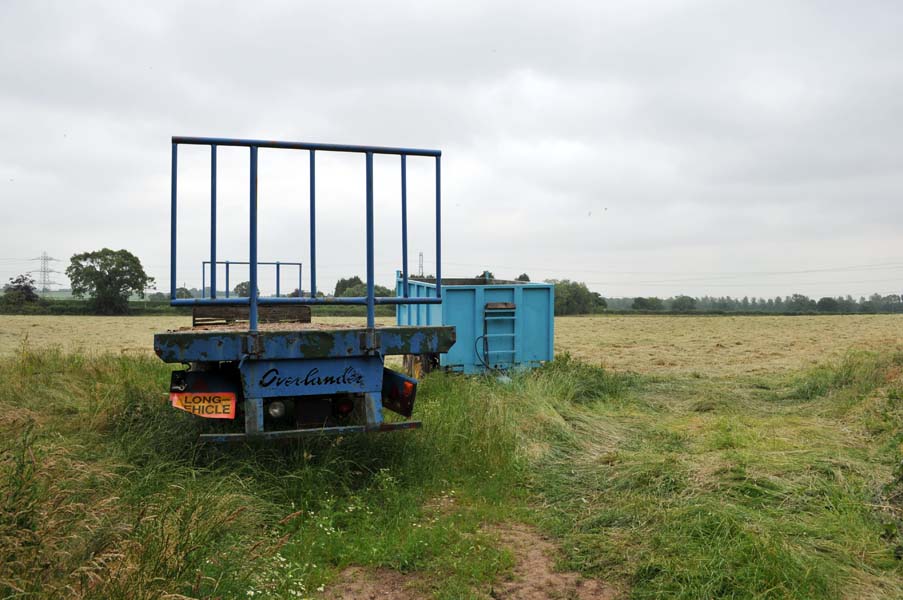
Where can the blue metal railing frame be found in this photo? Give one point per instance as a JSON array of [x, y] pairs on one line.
[[370, 300], [228, 263]]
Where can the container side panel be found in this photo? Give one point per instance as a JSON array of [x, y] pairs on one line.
[[536, 317], [459, 312]]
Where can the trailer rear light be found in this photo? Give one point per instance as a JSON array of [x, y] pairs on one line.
[[344, 407], [276, 409]]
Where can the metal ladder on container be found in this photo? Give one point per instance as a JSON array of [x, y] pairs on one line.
[[497, 316]]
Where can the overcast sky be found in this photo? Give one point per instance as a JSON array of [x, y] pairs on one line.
[[646, 148]]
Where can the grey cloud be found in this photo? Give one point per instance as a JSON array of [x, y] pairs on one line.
[[580, 138]]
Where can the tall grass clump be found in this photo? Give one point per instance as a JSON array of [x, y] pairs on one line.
[[91, 509], [857, 372]]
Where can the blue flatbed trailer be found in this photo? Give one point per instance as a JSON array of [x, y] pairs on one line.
[[294, 378]]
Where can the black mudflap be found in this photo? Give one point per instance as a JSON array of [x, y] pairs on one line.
[[398, 392]]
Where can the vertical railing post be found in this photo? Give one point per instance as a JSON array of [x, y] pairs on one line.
[[371, 303], [203, 279], [313, 226], [300, 280], [172, 224], [277, 278], [213, 221], [252, 260], [404, 225], [227, 279], [439, 226]]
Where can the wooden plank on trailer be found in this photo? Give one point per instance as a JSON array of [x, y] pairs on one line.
[[266, 313]]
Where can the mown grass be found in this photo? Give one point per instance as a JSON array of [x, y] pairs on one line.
[[688, 486], [782, 489]]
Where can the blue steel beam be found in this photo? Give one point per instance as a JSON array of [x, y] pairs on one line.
[[371, 305], [210, 346], [404, 224], [259, 262], [206, 141], [438, 226], [252, 259], [172, 242], [212, 222], [355, 300], [313, 227]]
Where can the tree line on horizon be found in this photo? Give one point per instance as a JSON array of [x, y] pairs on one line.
[[110, 278], [796, 303]]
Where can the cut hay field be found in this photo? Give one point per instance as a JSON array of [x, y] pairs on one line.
[[100, 334], [712, 345], [722, 345]]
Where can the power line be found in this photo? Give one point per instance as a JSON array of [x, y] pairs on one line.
[[717, 274]]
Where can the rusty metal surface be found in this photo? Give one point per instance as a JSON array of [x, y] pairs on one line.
[[292, 341]]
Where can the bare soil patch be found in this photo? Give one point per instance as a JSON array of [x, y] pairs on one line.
[[535, 577], [357, 583]]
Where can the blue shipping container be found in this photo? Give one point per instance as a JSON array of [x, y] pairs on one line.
[[499, 324]]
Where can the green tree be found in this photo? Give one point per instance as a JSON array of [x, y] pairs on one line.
[[799, 303], [183, 293], [683, 304], [485, 275], [109, 277], [242, 290], [343, 284], [574, 298], [20, 290], [360, 291], [523, 277], [651, 303], [827, 304]]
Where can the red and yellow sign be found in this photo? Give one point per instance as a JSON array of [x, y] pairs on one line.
[[210, 405]]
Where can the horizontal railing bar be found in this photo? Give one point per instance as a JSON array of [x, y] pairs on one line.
[[402, 300], [259, 262], [233, 301], [205, 141], [318, 300]]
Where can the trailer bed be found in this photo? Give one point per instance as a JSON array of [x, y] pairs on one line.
[[280, 341], [281, 326]]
